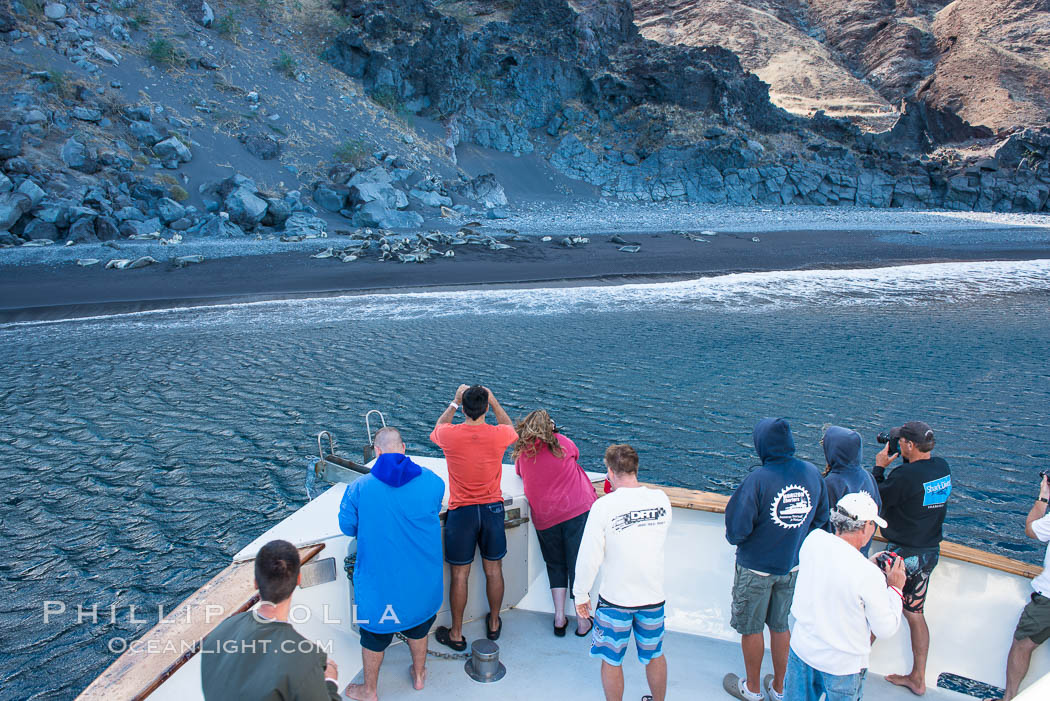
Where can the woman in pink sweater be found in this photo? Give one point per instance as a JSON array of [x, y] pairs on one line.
[[560, 495]]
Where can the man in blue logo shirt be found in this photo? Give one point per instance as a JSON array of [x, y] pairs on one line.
[[914, 504]]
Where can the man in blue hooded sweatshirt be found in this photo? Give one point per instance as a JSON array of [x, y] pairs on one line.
[[398, 587], [844, 453], [767, 518]]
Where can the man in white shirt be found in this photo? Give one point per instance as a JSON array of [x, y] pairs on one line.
[[841, 599], [1033, 628], [624, 536]]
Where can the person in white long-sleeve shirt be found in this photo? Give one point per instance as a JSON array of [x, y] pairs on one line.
[[624, 537], [841, 599]]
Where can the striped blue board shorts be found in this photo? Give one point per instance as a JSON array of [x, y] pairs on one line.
[[612, 632]]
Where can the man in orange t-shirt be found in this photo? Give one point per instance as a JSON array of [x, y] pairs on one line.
[[474, 455]]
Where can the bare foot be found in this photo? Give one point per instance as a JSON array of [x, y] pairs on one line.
[[360, 693], [418, 682], [917, 688]]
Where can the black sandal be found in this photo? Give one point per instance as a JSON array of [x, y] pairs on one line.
[[559, 631], [493, 634], [444, 636], [585, 633]]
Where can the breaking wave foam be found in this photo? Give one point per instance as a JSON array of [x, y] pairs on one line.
[[909, 285]]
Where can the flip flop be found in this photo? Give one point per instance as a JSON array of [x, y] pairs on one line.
[[585, 633], [493, 634], [559, 631], [444, 636]]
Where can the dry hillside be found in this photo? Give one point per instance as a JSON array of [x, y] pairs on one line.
[[987, 61]]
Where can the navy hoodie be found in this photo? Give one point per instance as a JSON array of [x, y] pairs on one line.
[[394, 513], [844, 452], [777, 505]]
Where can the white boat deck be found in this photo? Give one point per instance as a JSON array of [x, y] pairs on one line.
[[541, 666]]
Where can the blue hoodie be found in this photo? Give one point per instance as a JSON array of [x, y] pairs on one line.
[[844, 452], [394, 512], [777, 505]]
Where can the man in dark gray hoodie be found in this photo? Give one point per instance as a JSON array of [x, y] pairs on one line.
[[767, 518], [844, 452]]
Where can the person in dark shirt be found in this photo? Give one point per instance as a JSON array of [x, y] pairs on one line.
[[767, 518], [257, 655], [914, 503], [844, 452]]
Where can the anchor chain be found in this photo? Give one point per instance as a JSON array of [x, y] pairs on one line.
[[440, 655]]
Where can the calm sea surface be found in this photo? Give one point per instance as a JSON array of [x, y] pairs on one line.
[[139, 452]]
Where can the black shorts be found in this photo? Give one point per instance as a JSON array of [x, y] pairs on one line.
[[470, 527], [377, 642], [918, 566]]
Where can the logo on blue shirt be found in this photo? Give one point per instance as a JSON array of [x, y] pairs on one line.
[[936, 493]]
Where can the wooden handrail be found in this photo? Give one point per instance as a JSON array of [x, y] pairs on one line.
[[138, 672], [716, 503]]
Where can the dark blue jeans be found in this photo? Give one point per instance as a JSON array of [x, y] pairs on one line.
[[803, 683]]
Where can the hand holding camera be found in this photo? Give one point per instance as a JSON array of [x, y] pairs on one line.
[[1044, 485], [892, 565]]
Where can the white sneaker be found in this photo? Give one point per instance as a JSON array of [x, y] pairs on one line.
[[737, 688], [767, 684]]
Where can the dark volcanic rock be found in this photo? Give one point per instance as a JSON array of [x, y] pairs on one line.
[[264, 148], [495, 84], [82, 231], [10, 139], [40, 229], [12, 207], [79, 157], [106, 229]]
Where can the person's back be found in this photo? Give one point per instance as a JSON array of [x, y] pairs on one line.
[[271, 662], [632, 523], [257, 655], [394, 512], [824, 640], [915, 497], [775, 507], [556, 486], [767, 518], [624, 537], [474, 455], [844, 452], [475, 518]]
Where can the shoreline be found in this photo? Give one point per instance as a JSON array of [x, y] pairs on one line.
[[46, 284], [43, 293]]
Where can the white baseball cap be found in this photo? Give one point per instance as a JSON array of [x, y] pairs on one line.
[[859, 506]]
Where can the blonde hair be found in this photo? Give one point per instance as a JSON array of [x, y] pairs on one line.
[[536, 428]]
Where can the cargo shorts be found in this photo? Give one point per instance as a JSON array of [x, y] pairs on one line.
[[761, 600], [1034, 623]]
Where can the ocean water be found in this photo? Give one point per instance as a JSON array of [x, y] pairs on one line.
[[139, 452]]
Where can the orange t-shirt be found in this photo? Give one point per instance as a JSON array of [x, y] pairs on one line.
[[474, 455]]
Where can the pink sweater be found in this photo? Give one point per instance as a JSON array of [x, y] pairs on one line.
[[557, 488]]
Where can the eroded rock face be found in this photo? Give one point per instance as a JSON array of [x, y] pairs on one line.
[[516, 72], [985, 62]]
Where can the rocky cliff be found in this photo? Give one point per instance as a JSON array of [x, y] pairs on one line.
[[646, 120], [986, 62]]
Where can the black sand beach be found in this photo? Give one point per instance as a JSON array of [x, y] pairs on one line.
[[31, 292]]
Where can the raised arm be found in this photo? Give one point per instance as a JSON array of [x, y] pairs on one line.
[[497, 410], [450, 410], [1037, 513]]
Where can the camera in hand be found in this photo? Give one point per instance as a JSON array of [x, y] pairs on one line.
[[893, 437], [1043, 474], [885, 560]]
